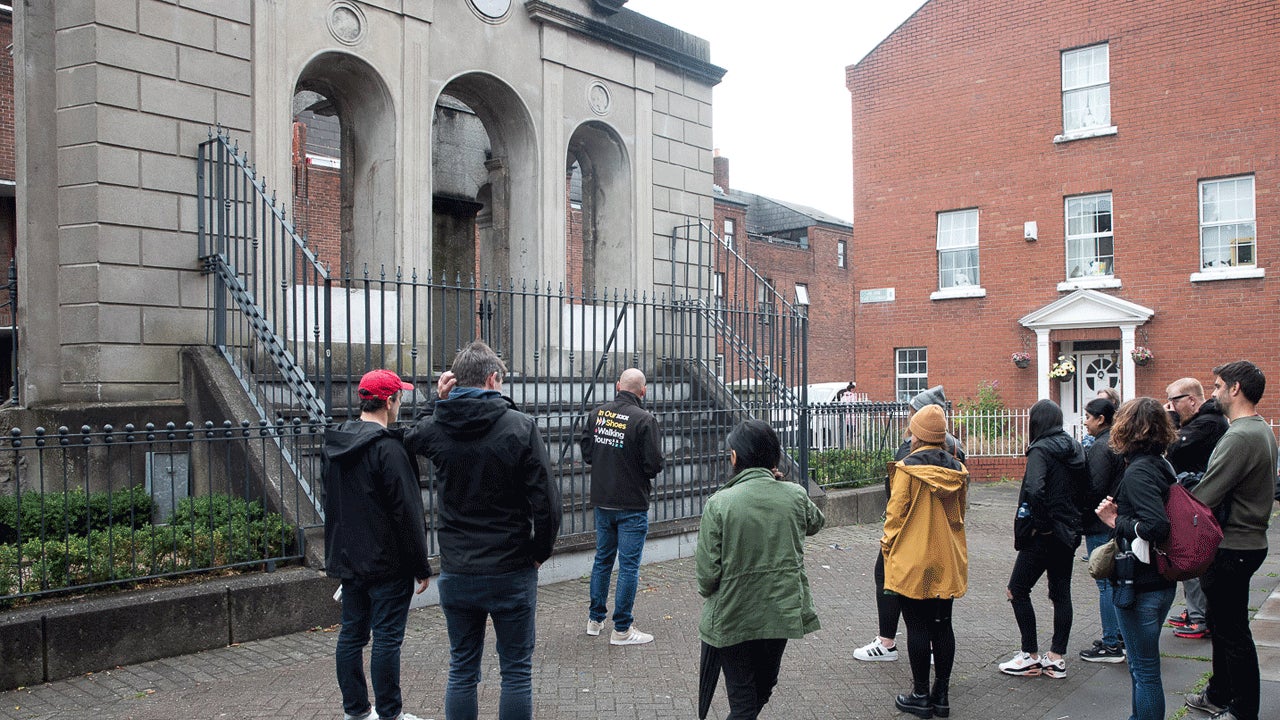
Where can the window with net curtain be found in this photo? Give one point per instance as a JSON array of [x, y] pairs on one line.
[[1090, 243], [958, 249], [1086, 89], [911, 372], [1227, 228]]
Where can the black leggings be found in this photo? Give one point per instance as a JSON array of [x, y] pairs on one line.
[[887, 607], [929, 631], [1057, 560]]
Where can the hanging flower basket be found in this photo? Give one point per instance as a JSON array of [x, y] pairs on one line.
[[1064, 369], [1141, 356], [1021, 359]]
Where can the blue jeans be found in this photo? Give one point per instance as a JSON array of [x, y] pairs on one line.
[[619, 533], [380, 607], [1141, 627], [1106, 610], [511, 599]]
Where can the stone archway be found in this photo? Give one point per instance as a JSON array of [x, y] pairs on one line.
[[600, 172], [484, 180], [350, 89]]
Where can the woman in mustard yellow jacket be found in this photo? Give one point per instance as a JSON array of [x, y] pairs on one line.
[[926, 559]]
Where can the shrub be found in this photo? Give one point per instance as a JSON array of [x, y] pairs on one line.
[[74, 512], [986, 414], [205, 532], [848, 468]]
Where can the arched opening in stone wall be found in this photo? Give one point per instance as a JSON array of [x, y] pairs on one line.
[[484, 189], [601, 219], [344, 163]]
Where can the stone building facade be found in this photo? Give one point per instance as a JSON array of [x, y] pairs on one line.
[[113, 99], [1066, 179]]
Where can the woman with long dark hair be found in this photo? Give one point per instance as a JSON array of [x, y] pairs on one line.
[[1106, 467], [1142, 597], [1046, 532], [750, 568], [926, 558]]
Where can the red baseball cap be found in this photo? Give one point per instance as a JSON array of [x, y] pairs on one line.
[[381, 384]]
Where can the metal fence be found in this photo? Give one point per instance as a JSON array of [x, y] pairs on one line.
[[99, 507], [299, 336]]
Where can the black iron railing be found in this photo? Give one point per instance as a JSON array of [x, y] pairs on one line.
[[9, 317], [106, 506]]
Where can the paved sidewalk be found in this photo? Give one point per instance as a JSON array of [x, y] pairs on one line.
[[576, 676]]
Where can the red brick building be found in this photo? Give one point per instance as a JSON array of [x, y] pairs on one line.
[[1069, 179], [798, 250]]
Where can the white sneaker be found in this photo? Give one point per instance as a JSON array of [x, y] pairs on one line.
[[631, 637], [1023, 664], [594, 627], [875, 651], [370, 715], [1053, 668]]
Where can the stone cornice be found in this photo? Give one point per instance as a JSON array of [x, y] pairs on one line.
[[545, 12]]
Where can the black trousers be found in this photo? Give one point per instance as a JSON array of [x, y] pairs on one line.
[[888, 607], [929, 632], [1057, 560], [750, 673], [1235, 682]]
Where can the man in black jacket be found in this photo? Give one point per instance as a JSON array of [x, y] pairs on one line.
[[1200, 425], [622, 444], [499, 516], [375, 540]]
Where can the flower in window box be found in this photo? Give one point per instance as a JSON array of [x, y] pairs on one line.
[[1141, 355], [1021, 359], [1064, 369]]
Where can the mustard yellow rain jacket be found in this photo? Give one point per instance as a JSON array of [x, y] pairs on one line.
[[925, 552]]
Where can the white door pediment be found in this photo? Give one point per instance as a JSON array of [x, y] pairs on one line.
[[1086, 309]]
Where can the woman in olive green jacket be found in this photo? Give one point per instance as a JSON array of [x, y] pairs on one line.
[[750, 562]]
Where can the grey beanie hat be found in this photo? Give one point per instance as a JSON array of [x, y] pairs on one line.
[[932, 396]]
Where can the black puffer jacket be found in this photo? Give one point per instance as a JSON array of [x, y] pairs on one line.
[[499, 506], [374, 526], [1140, 512], [1054, 476], [1106, 467], [1197, 438], [623, 445]]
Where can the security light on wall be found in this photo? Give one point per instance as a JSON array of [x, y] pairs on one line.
[[1029, 231]]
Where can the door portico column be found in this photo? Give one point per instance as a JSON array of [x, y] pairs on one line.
[[1127, 378], [1042, 363]]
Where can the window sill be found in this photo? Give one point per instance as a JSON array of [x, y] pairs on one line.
[[1235, 273], [1084, 134], [1090, 283], [966, 291]]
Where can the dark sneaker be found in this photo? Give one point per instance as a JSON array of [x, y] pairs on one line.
[[1100, 653], [1179, 620], [1200, 701], [1194, 631]]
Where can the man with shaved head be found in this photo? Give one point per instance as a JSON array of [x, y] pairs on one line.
[[623, 445]]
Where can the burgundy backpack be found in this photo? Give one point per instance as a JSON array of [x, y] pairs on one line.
[[1193, 540]]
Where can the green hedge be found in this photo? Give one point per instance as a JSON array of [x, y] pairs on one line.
[[848, 468], [205, 532], [75, 512]]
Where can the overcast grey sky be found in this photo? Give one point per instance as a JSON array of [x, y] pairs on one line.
[[782, 110]]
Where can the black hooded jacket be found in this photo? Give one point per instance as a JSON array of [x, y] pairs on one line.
[[499, 505], [1055, 477], [1197, 438], [623, 445], [374, 525], [1106, 467]]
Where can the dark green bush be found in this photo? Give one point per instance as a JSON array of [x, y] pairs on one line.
[[75, 512], [848, 468], [241, 531]]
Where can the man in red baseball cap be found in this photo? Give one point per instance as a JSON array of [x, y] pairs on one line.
[[375, 541]]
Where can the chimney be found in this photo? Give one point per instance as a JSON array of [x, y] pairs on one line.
[[720, 170]]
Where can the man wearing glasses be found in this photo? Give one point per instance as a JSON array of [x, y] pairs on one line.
[[1200, 425]]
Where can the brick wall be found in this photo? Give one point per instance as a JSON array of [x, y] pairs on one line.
[[7, 151], [317, 203], [959, 108], [995, 469]]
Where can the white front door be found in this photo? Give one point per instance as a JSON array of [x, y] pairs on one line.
[[1094, 371]]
